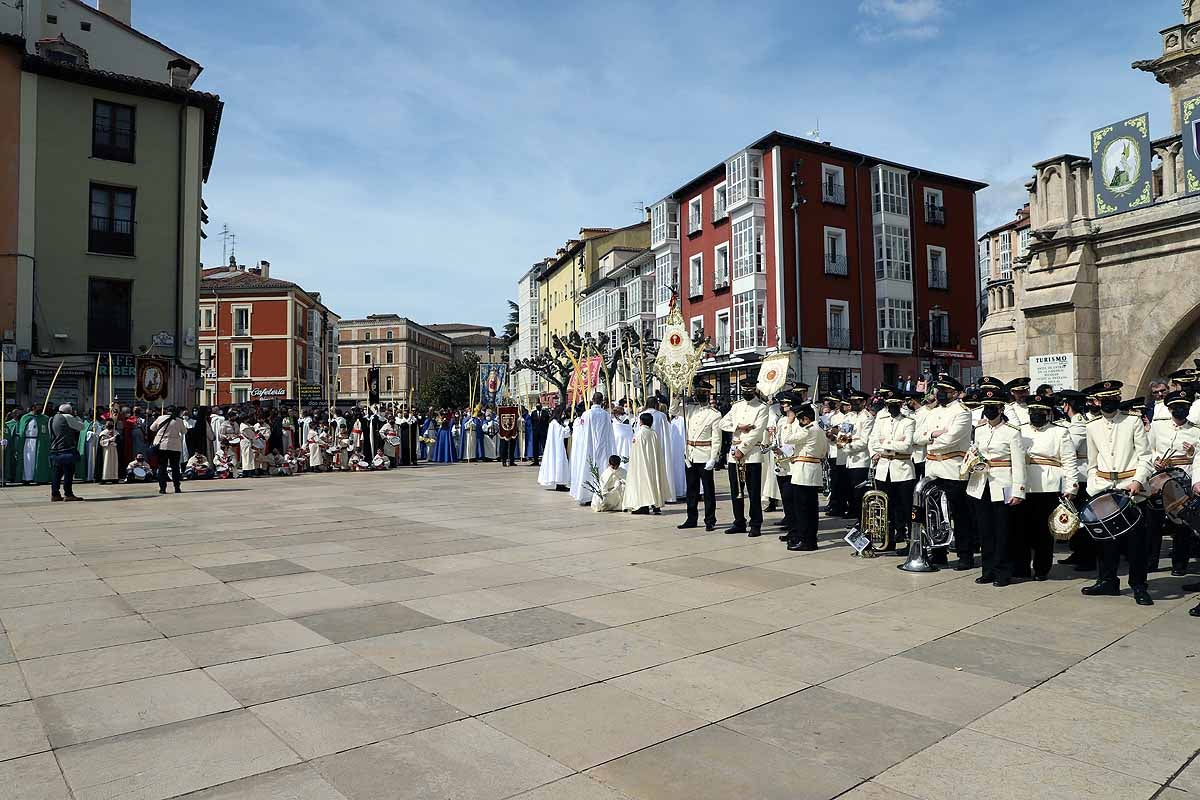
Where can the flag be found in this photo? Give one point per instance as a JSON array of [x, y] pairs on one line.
[[372, 385], [772, 373], [677, 357]]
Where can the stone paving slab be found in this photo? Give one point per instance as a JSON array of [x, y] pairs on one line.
[[462, 633]]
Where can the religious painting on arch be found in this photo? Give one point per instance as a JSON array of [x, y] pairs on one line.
[[1189, 116], [1121, 166]]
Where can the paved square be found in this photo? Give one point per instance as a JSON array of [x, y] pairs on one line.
[[456, 631]]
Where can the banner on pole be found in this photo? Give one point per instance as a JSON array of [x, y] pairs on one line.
[[677, 358], [491, 383], [509, 417], [152, 375], [773, 372], [585, 381], [1121, 166]]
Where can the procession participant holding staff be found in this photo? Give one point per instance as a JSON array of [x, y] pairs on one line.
[[1118, 458], [703, 448], [946, 434], [1050, 473]]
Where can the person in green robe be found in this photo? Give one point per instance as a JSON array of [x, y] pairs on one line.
[[32, 439]]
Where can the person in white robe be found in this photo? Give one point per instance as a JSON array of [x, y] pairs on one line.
[[622, 433], [489, 428], [317, 442], [611, 494], [555, 471], [248, 456], [32, 430], [591, 445], [676, 469], [109, 455], [769, 486], [646, 486], [216, 421], [662, 429]]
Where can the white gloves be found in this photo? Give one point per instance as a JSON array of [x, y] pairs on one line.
[[709, 466]]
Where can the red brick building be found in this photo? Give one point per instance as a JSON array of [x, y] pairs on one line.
[[879, 284], [264, 338]]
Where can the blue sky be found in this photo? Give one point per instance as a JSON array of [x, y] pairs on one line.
[[417, 158]]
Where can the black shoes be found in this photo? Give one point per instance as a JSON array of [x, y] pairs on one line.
[[1040, 577], [1194, 611], [655, 510], [1142, 596], [736, 529], [1000, 583], [754, 534], [1191, 587], [162, 491], [1178, 573], [964, 564], [710, 527], [642, 510], [803, 547], [686, 525], [784, 538], [1102, 588], [772, 505], [982, 579]]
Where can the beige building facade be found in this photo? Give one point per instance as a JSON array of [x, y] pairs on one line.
[[406, 353], [1112, 297]]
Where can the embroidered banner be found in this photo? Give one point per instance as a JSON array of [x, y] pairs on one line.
[[1121, 166]]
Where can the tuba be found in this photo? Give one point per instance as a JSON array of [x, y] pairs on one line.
[[931, 526], [875, 518]]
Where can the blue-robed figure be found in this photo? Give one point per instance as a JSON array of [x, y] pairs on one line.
[[444, 451], [527, 421], [471, 440], [429, 430]]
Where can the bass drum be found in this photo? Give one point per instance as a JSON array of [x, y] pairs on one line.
[[1109, 515], [1173, 480]]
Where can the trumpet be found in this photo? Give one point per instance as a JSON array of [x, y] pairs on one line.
[[740, 467]]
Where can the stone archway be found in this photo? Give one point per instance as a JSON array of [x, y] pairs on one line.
[[1176, 349]]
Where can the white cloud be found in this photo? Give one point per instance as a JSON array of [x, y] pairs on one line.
[[912, 20]]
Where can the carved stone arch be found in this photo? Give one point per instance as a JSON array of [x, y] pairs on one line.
[[1054, 194], [1177, 345]]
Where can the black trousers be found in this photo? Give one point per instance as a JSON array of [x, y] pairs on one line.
[[1182, 541], [539, 445], [753, 495], [700, 480], [853, 478], [62, 471], [1082, 545], [838, 501], [962, 515], [784, 482], [803, 515], [166, 457], [1133, 545], [993, 521], [920, 468], [508, 451], [900, 504], [1030, 535]]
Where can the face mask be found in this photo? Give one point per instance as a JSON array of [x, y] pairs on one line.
[[748, 395], [894, 410], [991, 412], [1037, 418], [1179, 412], [1109, 405], [943, 397]]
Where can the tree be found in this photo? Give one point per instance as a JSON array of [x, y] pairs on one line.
[[449, 386], [514, 321]]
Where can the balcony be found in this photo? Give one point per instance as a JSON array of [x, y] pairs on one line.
[[721, 281], [935, 214], [836, 265], [719, 213], [895, 341], [937, 279], [833, 193], [838, 338], [942, 341], [110, 236], [694, 224]]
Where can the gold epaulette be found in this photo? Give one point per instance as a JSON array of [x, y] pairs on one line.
[[1015, 427], [1094, 419]]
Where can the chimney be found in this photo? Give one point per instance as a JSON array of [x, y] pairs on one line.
[[118, 9], [647, 209], [264, 268], [179, 73]]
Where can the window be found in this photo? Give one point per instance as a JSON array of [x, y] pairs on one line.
[[695, 210], [696, 327], [241, 321], [985, 258], [592, 312], [110, 228], [833, 187], [743, 175], [939, 329], [389, 335], [241, 362], [696, 275], [1023, 242], [207, 319], [339, 384], [109, 321], [937, 267], [85, 26], [721, 340], [51, 19], [720, 266], [1005, 255], [366, 336], [720, 201], [367, 358], [241, 394], [666, 276], [935, 210], [660, 328], [893, 254], [388, 357], [748, 240], [664, 222], [838, 325], [895, 324], [835, 252], [749, 329], [388, 384], [112, 131], [207, 358], [889, 191]]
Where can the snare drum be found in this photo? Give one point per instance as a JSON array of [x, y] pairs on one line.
[[1173, 481], [140, 473], [1110, 514], [1174, 495]]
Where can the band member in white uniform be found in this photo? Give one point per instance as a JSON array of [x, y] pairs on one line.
[[858, 454], [703, 449], [1017, 410], [1174, 442], [918, 409], [1050, 472], [1118, 458], [808, 449], [946, 435], [996, 487], [747, 422], [891, 455]]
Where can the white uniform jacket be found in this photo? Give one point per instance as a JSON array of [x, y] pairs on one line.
[[1050, 459], [835, 425], [703, 435], [918, 450], [754, 414], [1004, 449], [1077, 430], [1118, 452], [1017, 414], [944, 455], [1174, 445], [858, 452], [892, 441], [809, 449]]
